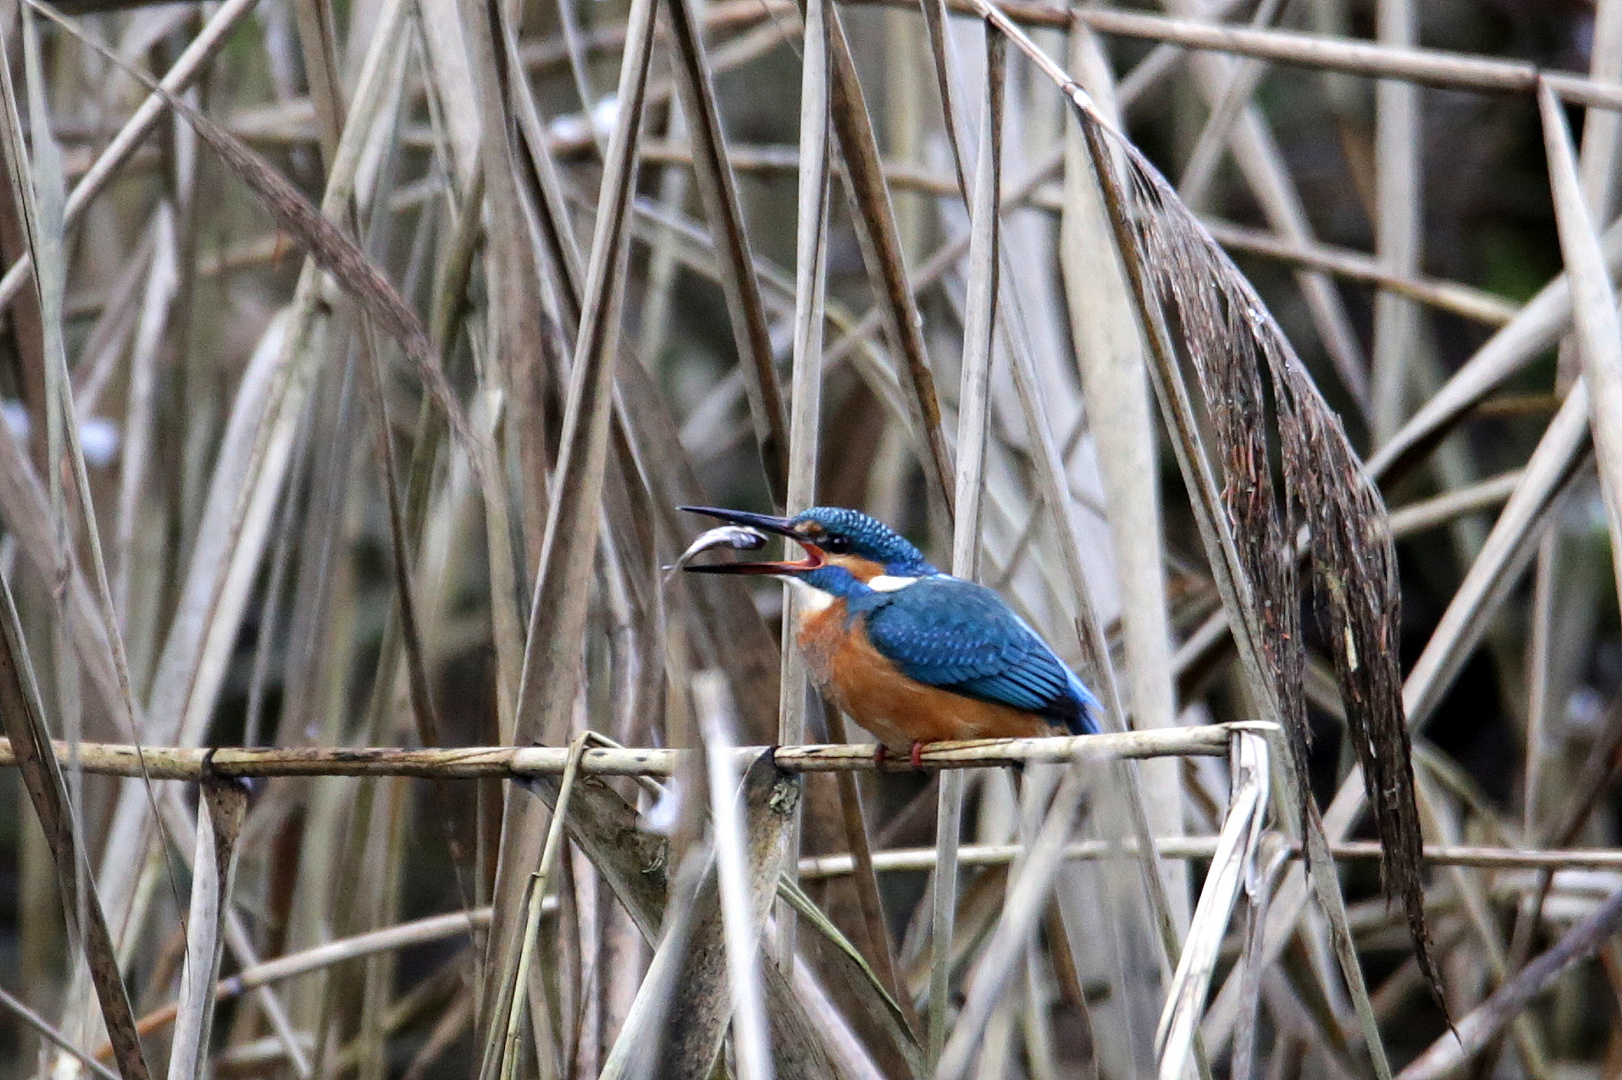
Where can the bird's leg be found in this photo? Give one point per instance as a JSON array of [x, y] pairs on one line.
[[918, 756], [878, 757]]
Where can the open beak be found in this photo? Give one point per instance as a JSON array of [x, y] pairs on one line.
[[814, 557]]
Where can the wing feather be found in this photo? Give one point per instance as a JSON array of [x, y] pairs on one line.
[[962, 637]]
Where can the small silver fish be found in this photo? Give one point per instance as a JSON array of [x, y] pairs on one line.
[[736, 537]]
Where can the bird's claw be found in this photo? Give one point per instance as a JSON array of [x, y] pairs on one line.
[[916, 756]]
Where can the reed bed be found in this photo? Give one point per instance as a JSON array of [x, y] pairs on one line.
[[356, 358]]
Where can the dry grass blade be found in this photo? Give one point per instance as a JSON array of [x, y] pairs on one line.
[[1025, 906], [433, 928], [39, 1024], [1599, 332], [39, 199], [1398, 183], [24, 719], [502, 1040], [318, 48], [940, 48], [550, 678], [805, 418], [979, 332], [1429, 513], [424, 711], [1428, 67], [1110, 352], [1233, 862], [326, 243], [901, 1022], [1602, 129], [637, 1053], [557, 618], [187, 67], [1476, 1031], [718, 189], [220, 809], [979, 320], [518, 327], [1477, 305], [874, 919], [748, 863], [1507, 548], [1195, 183], [162, 285], [1537, 327], [881, 244], [635, 865]]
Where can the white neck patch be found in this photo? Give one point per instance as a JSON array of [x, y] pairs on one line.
[[812, 600], [889, 583]]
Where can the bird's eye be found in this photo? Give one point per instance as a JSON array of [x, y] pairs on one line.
[[837, 545]]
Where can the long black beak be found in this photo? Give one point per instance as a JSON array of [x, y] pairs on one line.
[[764, 522], [814, 557]]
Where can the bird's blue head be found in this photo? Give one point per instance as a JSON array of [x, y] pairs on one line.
[[846, 551]]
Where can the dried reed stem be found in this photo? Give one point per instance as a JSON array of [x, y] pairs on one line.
[[460, 763]]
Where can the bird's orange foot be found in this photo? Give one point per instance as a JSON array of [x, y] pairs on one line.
[[918, 756]]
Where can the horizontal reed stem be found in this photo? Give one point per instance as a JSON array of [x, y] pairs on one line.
[[191, 763], [817, 867]]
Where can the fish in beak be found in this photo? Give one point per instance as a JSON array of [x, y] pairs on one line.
[[761, 523]]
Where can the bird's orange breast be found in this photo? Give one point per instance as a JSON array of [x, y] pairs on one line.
[[900, 711]]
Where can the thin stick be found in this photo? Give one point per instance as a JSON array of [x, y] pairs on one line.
[[468, 762], [1428, 67], [55, 1037], [912, 860]]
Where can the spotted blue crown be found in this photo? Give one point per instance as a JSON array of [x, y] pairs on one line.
[[853, 532]]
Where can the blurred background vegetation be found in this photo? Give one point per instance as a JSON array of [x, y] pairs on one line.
[[272, 479]]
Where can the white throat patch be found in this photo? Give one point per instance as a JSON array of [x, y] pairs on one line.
[[889, 583], [812, 600]]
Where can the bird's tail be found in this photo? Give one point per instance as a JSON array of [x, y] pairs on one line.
[[1090, 712]]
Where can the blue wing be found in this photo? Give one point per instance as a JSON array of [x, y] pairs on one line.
[[962, 637]]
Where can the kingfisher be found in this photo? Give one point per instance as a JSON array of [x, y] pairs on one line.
[[912, 654]]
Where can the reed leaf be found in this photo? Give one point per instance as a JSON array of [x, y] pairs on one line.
[[24, 719], [220, 809], [718, 189]]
